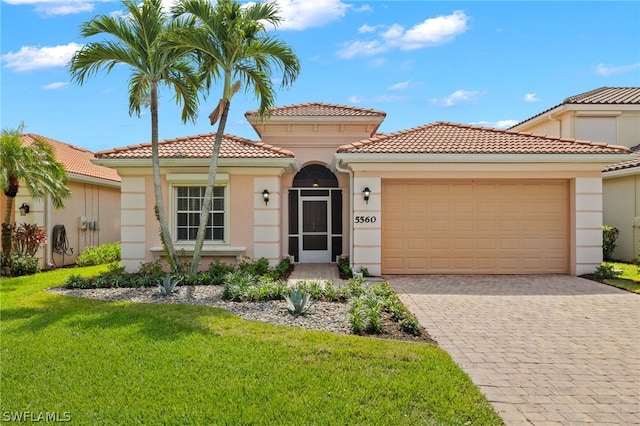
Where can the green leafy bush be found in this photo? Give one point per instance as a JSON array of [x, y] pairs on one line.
[[609, 237], [605, 272], [255, 267], [344, 268], [19, 264], [218, 270], [100, 255]]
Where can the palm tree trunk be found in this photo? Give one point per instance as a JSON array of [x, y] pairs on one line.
[[165, 235], [208, 193], [6, 229]]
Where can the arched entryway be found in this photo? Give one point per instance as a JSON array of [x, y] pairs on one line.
[[315, 215]]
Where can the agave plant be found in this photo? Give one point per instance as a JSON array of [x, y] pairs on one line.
[[168, 284], [297, 301]]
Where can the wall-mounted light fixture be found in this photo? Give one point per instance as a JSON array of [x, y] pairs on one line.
[[367, 193], [24, 209], [265, 196]]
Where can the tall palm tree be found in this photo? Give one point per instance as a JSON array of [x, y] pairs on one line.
[[231, 43], [36, 166], [137, 40]]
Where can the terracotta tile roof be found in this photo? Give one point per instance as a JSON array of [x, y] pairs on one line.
[[320, 109], [200, 146], [452, 138], [629, 164], [76, 160], [600, 96]]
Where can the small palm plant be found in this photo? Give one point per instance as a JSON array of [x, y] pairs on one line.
[[298, 301], [168, 284]]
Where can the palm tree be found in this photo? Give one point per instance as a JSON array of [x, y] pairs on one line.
[[36, 166], [231, 43], [138, 42]]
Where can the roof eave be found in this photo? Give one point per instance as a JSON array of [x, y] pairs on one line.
[[287, 163], [628, 171], [612, 158], [75, 177]]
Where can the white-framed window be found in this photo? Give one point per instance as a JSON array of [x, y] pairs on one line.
[[188, 200]]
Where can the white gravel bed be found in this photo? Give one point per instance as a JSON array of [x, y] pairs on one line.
[[328, 316]]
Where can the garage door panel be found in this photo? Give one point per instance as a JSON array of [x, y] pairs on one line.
[[475, 227]]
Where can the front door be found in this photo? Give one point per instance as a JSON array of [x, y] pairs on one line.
[[315, 219]]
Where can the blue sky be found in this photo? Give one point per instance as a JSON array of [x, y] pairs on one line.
[[487, 63]]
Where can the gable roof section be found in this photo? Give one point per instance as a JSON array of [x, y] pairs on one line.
[[199, 146], [600, 96], [320, 109], [629, 164], [76, 160], [451, 138]]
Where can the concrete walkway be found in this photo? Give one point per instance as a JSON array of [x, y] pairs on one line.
[[543, 349]]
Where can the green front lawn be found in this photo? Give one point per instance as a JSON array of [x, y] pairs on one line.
[[124, 363], [629, 279]]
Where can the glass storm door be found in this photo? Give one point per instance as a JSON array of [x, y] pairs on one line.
[[314, 217]]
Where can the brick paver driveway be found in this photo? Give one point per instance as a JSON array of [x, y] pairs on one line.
[[543, 349]]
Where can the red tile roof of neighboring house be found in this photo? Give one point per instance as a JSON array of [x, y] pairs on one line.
[[452, 138], [75, 160], [600, 96], [320, 109], [634, 162], [200, 146]]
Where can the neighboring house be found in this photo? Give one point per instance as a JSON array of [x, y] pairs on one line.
[[91, 216], [440, 198], [610, 115]]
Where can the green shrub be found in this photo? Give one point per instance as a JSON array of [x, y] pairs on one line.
[[365, 313], [100, 255], [255, 267], [410, 325], [605, 272], [218, 271], [76, 281], [236, 286], [344, 268], [19, 264], [609, 237]]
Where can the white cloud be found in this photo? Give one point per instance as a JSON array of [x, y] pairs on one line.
[[430, 32], [366, 29], [500, 124], [301, 14], [55, 85], [58, 7], [30, 57], [355, 99], [459, 97], [606, 70], [531, 97], [362, 48], [400, 86]]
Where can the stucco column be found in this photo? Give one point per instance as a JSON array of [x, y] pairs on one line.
[[267, 219], [367, 226], [587, 196]]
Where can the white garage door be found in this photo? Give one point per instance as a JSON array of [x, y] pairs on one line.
[[475, 227]]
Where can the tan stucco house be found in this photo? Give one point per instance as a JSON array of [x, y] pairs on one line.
[[91, 216], [321, 182], [610, 115]]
